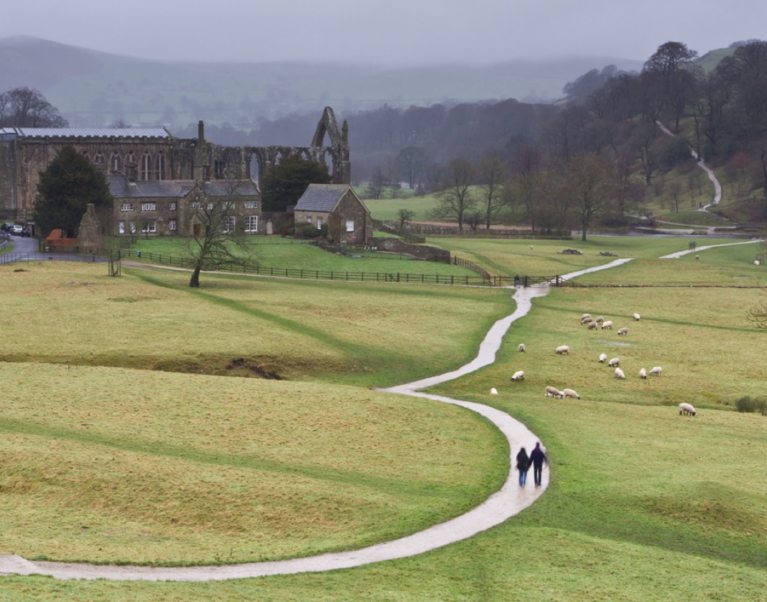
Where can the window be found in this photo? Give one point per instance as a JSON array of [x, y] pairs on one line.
[[229, 223], [218, 169], [148, 206], [160, 166], [126, 207], [132, 227], [130, 159], [194, 205], [149, 227], [116, 163], [171, 225], [350, 225], [250, 204], [146, 162], [251, 223], [319, 223], [308, 219], [210, 206], [172, 206], [98, 159], [121, 228]]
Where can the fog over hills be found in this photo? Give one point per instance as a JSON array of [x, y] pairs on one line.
[[95, 88]]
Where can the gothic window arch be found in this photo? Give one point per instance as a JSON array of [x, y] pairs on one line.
[[160, 166], [145, 167], [116, 164]]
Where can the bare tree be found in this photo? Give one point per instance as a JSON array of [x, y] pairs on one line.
[[491, 173], [27, 107], [587, 183], [216, 232], [405, 215], [455, 199]]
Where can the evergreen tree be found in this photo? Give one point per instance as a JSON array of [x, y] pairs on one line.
[[284, 184], [66, 187]]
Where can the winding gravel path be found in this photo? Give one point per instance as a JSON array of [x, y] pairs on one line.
[[500, 506], [709, 172], [679, 254]]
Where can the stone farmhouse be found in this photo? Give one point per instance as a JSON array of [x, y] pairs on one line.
[[338, 208], [153, 175]]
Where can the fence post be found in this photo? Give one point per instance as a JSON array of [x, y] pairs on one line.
[[525, 281]]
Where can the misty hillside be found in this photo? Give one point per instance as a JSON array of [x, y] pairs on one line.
[[95, 88]]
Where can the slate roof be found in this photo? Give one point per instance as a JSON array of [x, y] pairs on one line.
[[120, 187], [321, 198], [86, 132]]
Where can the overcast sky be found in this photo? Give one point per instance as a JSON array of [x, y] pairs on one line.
[[385, 31]]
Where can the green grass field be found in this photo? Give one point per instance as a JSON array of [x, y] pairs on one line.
[[288, 253], [388, 209], [643, 504], [114, 465]]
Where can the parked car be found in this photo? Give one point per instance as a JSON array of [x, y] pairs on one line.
[[17, 229]]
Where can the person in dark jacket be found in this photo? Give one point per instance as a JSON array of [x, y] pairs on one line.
[[523, 465], [538, 458]]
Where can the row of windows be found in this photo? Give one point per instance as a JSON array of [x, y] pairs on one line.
[[319, 223], [149, 168], [146, 206], [171, 206], [150, 226]]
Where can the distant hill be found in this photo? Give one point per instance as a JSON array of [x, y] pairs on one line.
[[96, 88]]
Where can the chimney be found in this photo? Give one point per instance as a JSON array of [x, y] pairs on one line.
[[200, 131]]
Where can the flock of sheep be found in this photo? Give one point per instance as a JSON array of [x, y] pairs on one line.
[[598, 323]]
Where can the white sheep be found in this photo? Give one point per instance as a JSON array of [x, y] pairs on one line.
[[562, 350], [619, 374], [686, 409], [602, 358], [622, 332], [655, 371], [493, 391], [518, 375], [642, 373], [570, 393], [593, 325], [607, 325], [614, 362], [553, 392], [636, 317], [599, 319], [521, 348], [585, 318]]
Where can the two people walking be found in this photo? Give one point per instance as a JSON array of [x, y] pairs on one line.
[[536, 458]]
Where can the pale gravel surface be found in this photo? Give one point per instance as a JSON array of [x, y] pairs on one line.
[[500, 506], [679, 254]]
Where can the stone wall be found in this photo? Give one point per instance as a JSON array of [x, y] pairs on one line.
[[395, 245]]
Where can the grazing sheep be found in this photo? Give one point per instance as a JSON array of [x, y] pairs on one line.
[[518, 375], [521, 348], [636, 317], [655, 371], [602, 358], [570, 393], [562, 350], [642, 373], [593, 325], [619, 374], [622, 332], [614, 362], [586, 318], [553, 392], [607, 325], [686, 409], [493, 391], [599, 319]]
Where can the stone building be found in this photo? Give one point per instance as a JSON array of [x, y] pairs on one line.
[[167, 207], [152, 155], [337, 207]]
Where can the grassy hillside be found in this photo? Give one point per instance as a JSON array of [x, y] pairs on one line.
[[95, 88], [643, 504]]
